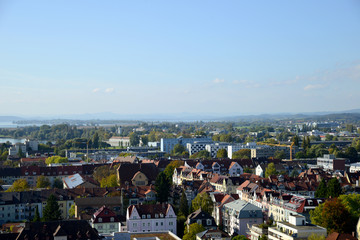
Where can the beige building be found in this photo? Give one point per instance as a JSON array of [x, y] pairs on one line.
[[119, 141]]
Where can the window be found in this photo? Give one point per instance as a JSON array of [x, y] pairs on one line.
[[111, 219], [134, 224], [143, 224], [208, 222], [198, 222], [148, 224], [112, 226], [148, 216], [143, 216], [156, 224], [100, 227], [171, 223], [161, 223], [100, 219]]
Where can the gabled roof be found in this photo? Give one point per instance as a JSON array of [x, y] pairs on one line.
[[77, 229], [128, 170], [105, 214], [151, 209], [73, 181]]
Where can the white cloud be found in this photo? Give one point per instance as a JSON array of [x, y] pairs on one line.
[[313, 86], [218, 80], [96, 90], [109, 90]]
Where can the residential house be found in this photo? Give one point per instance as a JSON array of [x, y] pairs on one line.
[[140, 174], [151, 218], [202, 218], [105, 221], [238, 215], [219, 199]]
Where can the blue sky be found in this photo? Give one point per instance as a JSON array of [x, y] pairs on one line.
[[142, 57]]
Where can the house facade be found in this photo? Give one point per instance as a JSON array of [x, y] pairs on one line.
[[151, 218], [238, 215]]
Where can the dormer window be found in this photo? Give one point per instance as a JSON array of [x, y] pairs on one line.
[[100, 219], [156, 215], [111, 219], [161, 215], [143, 216], [148, 216]]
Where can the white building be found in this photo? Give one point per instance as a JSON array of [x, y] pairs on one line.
[[214, 148], [167, 144], [234, 148], [239, 215], [296, 228], [14, 149], [329, 162], [151, 218], [197, 146]]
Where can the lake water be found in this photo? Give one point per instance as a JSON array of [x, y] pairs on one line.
[[12, 140]]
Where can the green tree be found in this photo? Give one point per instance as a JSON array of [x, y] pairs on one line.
[[72, 211], [203, 154], [51, 211], [184, 207], [162, 188], [19, 186], [103, 171], [37, 215], [270, 170], [239, 237], [58, 183], [134, 139], [109, 181], [279, 154], [56, 159], [20, 153], [294, 173], [352, 154], [296, 140], [221, 153], [204, 202], [95, 140], [350, 128], [300, 154], [242, 154], [321, 191], [169, 170], [333, 216], [178, 150], [328, 137], [190, 234], [333, 188], [4, 155], [42, 182], [315, 236], [352, 204]]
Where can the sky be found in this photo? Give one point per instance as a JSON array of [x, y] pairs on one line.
[[204, 57]]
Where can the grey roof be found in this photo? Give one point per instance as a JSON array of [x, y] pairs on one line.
[[243, 209]]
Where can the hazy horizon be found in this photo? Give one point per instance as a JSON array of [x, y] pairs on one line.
[[159, 57]]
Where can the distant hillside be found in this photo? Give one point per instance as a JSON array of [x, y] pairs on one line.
[[9, 118]]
